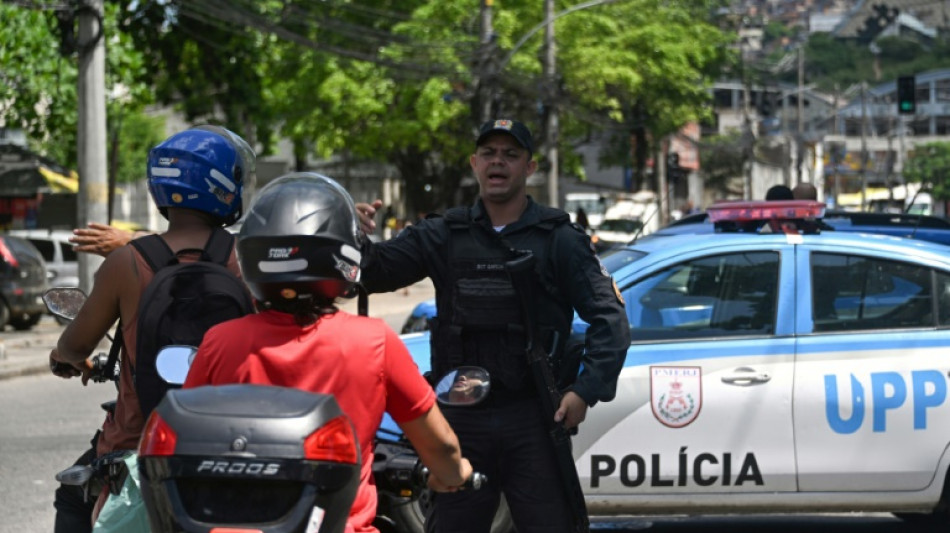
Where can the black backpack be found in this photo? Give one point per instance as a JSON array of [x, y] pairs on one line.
[[181, 303]]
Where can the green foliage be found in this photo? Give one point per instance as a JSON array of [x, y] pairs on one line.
[[929, 164], [38, 85], [135, 133]]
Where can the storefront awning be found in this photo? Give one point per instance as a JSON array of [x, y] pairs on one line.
[[29, 181]]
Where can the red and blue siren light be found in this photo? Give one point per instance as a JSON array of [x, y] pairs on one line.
[[763, 211]]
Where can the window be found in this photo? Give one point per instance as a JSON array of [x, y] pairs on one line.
[[722, 295], [852, 293], [45, 248]]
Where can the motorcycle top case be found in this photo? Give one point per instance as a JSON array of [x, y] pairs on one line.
[[262, 458]]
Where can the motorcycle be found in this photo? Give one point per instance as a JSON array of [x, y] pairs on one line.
[[230, 457], [240, 457]]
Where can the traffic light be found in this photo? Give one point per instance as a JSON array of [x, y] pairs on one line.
[[906, 95]]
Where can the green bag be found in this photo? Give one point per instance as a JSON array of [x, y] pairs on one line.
[[125, 512]]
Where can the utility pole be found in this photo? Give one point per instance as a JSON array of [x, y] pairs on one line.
[[800, 140], [487, 74], [864, 146], [91, 146], [551, 107]]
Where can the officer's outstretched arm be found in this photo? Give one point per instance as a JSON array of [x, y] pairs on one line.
[[438, 447]]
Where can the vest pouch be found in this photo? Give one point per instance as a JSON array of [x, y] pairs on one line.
[[486, 303]]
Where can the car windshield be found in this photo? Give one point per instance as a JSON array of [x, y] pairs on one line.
[[617, 258], [621, 225]]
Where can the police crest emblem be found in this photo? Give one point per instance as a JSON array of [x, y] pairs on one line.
[[676, 394]]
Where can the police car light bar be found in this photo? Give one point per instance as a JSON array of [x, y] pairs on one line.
[[768, 210]]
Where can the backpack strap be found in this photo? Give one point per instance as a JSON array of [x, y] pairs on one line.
[[219, 246], [155, 251], [158, 255]]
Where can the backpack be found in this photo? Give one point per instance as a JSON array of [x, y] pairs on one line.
[[181, 303]]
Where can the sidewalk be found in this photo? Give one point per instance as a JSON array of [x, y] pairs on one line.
[[26, 353]]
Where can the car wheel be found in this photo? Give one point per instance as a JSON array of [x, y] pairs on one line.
[[25, 322], [410, 517]]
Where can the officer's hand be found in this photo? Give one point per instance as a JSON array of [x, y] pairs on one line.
[[366, 212], [572, 411], [99, 239], [438, 485]]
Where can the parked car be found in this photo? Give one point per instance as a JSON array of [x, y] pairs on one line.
[[22, 283], [785, 370], [615, 231], [62, 266]]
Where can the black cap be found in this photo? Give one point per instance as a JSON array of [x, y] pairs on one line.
[[519, 131]]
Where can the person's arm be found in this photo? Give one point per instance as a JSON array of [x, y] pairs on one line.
[[597, 300], [410, 401], [98, 313], [102, 239], [438, 448]]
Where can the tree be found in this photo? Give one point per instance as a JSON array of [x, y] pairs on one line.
[[38, 80], [929, 165]]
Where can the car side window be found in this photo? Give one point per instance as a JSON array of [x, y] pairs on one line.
[[722, 295], [69, 254], [857, 293], [45, 248]]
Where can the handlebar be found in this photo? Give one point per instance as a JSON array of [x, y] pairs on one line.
[[474, 482], [97, 366]]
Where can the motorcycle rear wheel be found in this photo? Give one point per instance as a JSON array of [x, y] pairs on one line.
[[410, 517]]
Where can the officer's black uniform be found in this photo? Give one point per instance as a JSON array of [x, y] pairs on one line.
[[479, 323]]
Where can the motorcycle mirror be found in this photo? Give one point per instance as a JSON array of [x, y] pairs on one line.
[[64, 302], [173, 362], [466, 385]]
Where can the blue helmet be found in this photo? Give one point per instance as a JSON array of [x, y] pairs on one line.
[[202, 168]]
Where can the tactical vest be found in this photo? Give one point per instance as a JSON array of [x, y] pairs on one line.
[[479, 321]]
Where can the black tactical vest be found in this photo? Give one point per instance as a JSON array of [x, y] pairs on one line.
[[479, 321]]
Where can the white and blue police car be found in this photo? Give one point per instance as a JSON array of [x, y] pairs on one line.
[[774, 367]]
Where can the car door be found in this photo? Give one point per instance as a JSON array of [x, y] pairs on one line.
[[871, 410], [704, 399]]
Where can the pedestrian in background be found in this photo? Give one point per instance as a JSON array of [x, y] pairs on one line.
[[805, 191], [779, 192]]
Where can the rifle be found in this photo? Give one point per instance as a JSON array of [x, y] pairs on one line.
[[522, 275]]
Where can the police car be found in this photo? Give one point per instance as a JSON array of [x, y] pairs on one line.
[[774, 367]]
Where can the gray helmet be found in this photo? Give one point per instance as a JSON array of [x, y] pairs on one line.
[[300, 242]]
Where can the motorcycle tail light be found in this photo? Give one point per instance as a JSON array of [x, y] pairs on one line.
[[158, 438], [335, 441]]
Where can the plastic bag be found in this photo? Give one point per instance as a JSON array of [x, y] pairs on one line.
[[125, 512]]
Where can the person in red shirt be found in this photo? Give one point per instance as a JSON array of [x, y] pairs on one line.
[[299, 251]]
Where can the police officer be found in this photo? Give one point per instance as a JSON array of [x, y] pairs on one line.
[[479, 323]]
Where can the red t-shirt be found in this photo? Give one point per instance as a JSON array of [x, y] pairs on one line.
[[359, 360]]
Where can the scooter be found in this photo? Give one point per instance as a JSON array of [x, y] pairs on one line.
[[245, 457], [212, 472], [234, 458], [230, 458]]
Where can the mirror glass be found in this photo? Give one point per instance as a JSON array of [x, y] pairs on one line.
[[466, 385], [173, 362], [64, 302]]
